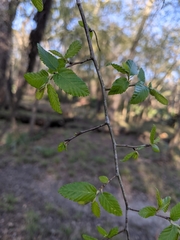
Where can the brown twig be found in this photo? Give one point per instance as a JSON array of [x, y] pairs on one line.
[[133, 147], [76, 63]]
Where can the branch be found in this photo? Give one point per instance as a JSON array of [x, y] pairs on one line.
[[85, 131], [157, 215], [133, 147], [76, 63], [107, 119]]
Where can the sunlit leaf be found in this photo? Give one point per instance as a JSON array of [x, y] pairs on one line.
[[141, 75], [87, 237], [118, 68], [110, 203], [175, 212], [36, 79], [169, 233], [47, 58], [147, 211], [95, 209], [158, 96], [73, 49], [119, 86], [103, 179], [39, 93], [165, 204], [140, 93], [155, 148], [62, 146], [159, 199], [69, 82], [113, 232], [78, 191], [53, 98], [38, 4], [58, 54], [152, 134], [126, 67], [129, 156], [102, 231]]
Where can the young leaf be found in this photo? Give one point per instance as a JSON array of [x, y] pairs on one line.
[[53, 98], [73, 49], [39, 93], [152, 134], [141, 75], [158, 96], [95, 209], [48, 59], [58, 54], [118, 68], [90, 31], [102, 231], [165, 204], [79, 192], [119, 86], [87, 237], [110, 203], [81, 24], [69, 82], [147, 211], [36, 79], [132, 66], [62, 146], [114, 231], [159, 199], [140, 93], [175, 212], [126, 67], [155, 148], [157, 140], [128, 156], [103, 179], [135, 155], [62, 64], [38, 4], [169, 233]]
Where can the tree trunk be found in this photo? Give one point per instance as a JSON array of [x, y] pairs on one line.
[[7, 14]]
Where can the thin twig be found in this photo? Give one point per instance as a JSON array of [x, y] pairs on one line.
[[76, 63], [106, 113], [133, 147], [156, 215], [85, 131]]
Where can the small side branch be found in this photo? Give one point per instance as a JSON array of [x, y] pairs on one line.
[[133, 147], [83, 132], [76, 63]]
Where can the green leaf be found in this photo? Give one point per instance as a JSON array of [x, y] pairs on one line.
[[73, 49], [165, 204], [159, 199], [132, 67], [102, 231], [78, 192], [58, 54], [152, 134], [48, 59], [129, 156], [110, 203], [126, 67], [141, 75], [155, 148], [119, 86], [169, 233], [140, 93], [158, 96], [81, 24], [95, 209], [62, 64], [38, 4], [62, 146], [40, 93], [90, 31], [147, 211], [119, 68], [175, 212], [36, 79], [69, 82], [87, 237], [157, 140], [103, 179], [53, 98], [114, 231]]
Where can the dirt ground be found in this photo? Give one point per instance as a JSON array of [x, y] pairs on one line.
[[32, 171]]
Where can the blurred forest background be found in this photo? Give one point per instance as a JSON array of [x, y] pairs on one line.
[[147, 32]]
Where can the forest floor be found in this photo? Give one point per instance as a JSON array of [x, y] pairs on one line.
[[32, 171]]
